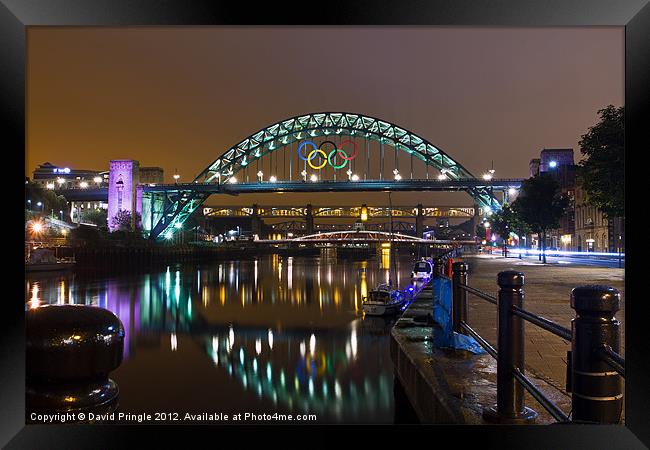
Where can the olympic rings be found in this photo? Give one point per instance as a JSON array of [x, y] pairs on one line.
[[354, 155], [344, 156], [302, 144], [326, 142], [311, 156], [327, 158]]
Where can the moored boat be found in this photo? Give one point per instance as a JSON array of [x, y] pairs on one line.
[[422, 270], [43, 260], [383, 301]]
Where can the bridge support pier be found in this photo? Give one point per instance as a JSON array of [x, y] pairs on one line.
[[476, 220], [309, 220], [256, 222], [419, 221]]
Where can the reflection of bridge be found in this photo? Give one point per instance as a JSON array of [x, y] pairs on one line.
[[305, 373]]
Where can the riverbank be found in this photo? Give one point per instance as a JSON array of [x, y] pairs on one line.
[[129, 256], [446, 385]]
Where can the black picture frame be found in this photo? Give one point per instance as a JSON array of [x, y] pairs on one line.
[[634, 15]]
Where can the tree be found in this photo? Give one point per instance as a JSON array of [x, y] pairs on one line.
[[121, 221], [480, 231], [540, 205], [50, 202], [98, 217], [601, 173], [84, 235], [506, 221]]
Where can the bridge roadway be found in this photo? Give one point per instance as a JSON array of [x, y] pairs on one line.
[[101, 194], [361, 240], [336, 212]]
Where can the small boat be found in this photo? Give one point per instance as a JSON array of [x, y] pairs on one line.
[[383, 301], [422, 270], [43, 260]]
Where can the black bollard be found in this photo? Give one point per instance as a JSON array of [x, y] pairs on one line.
[[70, 351], [458, 295], [597, 391], [510, 344]]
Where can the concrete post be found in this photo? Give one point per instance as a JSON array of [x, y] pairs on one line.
[[309, 220], [256, 222], [419, 221]]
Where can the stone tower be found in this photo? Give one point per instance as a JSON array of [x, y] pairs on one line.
[[122, 182]]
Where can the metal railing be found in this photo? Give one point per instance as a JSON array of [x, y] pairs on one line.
[[441, 262], [47, 242], [596, 390]]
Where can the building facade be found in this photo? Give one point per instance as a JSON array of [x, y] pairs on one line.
[[594, 231], [591, 233], [152, 175], [559, 163], [53, 177]]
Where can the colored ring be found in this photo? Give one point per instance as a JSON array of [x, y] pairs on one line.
[[311, 156], [345, 158], [351, 157], [302, 144], [326, 142]]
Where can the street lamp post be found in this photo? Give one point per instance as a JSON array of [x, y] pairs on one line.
[[620, 251]]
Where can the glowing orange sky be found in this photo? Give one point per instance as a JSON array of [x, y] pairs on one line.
[[178, 97]]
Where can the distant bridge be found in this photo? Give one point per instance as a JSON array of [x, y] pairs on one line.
[[335, 212], [361, 237]]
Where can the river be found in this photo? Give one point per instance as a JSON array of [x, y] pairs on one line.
[[271, 334]]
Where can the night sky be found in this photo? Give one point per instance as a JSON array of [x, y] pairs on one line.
[[178, 97]]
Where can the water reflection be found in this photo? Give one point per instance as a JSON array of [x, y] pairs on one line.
[[286, 331]]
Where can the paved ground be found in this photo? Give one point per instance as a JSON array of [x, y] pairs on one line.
[[547, 289], [577, 259]]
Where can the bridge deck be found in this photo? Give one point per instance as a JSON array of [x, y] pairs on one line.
[[90, 194]]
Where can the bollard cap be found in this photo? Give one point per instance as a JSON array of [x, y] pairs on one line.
[[595, 298], [66, 342], [510, 279], [459, 266]]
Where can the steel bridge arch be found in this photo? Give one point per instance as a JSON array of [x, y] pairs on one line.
[[280, 134], [307, 126]]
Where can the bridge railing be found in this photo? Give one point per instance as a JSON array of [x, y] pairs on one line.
[[594, 367]]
